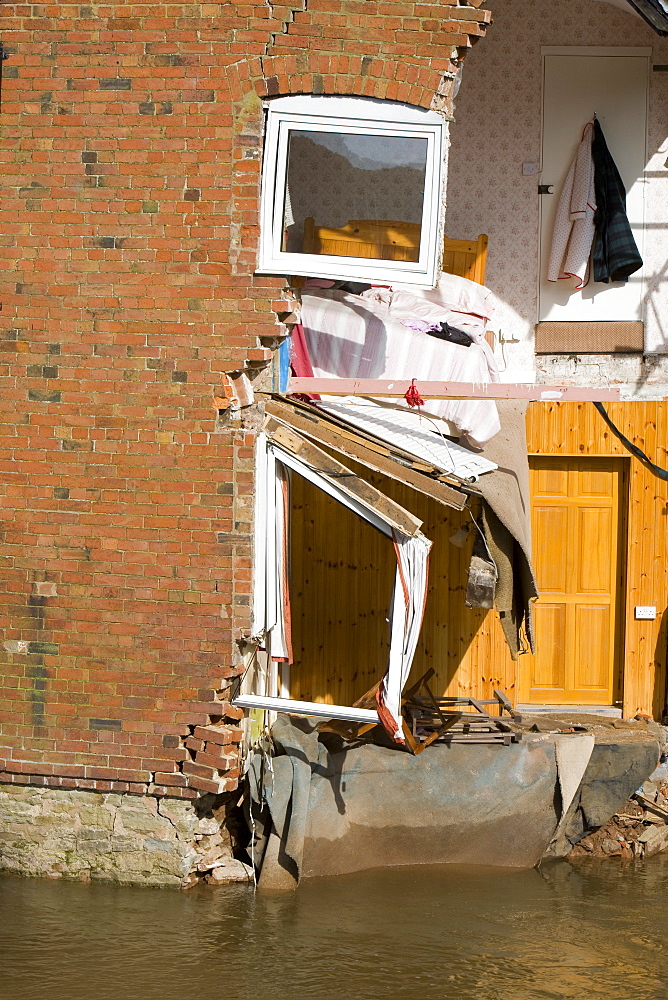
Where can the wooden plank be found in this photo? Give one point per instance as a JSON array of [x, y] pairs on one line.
[[342, 575], [339, 603], [351, 448], [358, 488], [450, 390], [576, 512], [577, 429], [312, 415]]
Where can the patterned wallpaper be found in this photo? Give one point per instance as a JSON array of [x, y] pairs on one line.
[[497, 128]]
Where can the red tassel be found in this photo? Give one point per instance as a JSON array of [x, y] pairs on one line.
[[413, 397]]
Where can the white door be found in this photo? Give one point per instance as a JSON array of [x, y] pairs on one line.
[[578, 83]]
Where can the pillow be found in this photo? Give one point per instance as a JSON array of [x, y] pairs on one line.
[[463, 295]]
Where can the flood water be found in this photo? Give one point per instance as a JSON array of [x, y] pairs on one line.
[[595, 930]]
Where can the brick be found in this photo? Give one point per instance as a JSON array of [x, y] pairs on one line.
[[210, 785], [194, 744], [229, 751], [44, 395], [199, 770], [221, 762], [233, 711], [115, 83], [175, 780], [214, 734]]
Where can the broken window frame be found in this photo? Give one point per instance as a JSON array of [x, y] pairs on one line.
[[405, 615], [359, 116]]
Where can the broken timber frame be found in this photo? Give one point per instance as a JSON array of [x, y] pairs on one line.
[[311, 423], [346, 480]]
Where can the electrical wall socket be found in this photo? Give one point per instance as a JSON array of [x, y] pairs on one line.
[[645, 612], [529, 169]]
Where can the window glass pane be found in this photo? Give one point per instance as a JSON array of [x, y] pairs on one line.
[[354, 195]]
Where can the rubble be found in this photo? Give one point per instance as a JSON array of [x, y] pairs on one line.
[[218, 838], [638, 830]]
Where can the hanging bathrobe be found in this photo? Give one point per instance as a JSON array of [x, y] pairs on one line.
[[574, 223]]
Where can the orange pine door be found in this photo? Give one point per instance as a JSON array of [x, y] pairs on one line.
[[577, 542]]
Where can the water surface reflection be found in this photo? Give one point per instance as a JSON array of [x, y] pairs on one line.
[[592, 931]]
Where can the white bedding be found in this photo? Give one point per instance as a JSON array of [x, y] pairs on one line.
[[363, 336]]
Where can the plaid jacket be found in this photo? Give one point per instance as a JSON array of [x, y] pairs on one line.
[[615, 252]]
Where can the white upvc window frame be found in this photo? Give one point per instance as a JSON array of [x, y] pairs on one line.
[[361, 116], [267, 600]]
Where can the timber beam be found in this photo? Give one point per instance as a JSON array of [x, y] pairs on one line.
[[453, 390]]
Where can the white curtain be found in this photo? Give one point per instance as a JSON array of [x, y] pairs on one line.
[[410, 598], [281, 634]]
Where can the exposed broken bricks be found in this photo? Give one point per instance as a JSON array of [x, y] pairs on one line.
[[214, 754]]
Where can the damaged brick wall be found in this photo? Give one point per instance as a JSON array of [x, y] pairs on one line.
[[133, 329]]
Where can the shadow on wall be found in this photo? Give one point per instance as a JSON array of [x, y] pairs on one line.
[[660, 701]]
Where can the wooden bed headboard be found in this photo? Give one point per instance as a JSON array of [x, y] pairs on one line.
[[388, 240], [467, 258], [378, 239]]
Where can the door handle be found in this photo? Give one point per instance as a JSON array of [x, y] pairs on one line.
[[545, 189]]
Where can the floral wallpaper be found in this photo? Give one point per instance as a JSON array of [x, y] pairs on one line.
[[497, 128]]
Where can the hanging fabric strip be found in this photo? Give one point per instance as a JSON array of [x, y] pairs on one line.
[[410, 598], [281, 644], [260, 538], [300, 361]]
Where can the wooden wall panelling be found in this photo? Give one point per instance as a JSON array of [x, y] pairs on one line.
[[341, 581], [338, 603], [466, 646], [577, 429]]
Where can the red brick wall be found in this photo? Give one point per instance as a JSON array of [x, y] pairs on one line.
[[131, 151]]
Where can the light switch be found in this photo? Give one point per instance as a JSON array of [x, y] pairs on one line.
[[645, 612]]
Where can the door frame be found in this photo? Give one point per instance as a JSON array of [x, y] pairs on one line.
[[593, 51], [618, 678]]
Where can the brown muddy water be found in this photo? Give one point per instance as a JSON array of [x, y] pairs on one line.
[[595, 930]]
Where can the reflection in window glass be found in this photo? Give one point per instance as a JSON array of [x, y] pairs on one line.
[[354, 195]]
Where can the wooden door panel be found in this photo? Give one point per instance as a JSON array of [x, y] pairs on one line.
[[596, 537], [549, 481], [592, 482], [550, 529], [592, 648], [548, 665], [576, 522]]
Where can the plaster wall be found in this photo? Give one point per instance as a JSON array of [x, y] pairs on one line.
[[497, 128]]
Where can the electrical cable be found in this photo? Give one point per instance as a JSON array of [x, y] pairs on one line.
[[633, 448]]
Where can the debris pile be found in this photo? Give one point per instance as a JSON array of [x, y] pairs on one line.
[[638, 830], [216, 838]]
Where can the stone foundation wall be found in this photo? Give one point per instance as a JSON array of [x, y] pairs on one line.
[[113, 837]]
